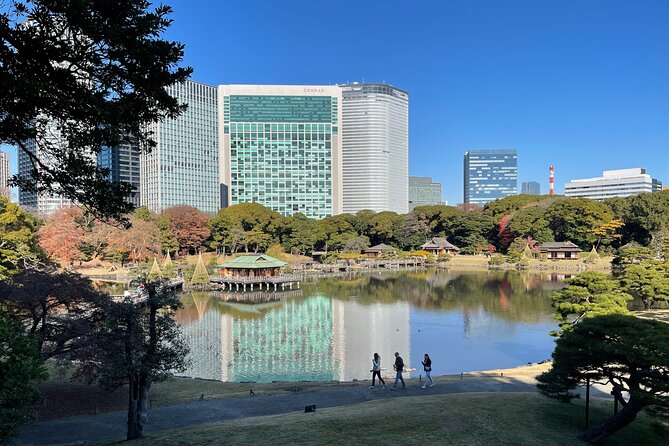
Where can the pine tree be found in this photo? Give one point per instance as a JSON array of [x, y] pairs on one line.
[[200, 276]]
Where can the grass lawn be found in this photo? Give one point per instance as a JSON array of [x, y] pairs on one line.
[[458, 419]]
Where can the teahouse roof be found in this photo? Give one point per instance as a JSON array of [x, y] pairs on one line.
[[440, 243], [559, 246], [253, 261], [382, 247]]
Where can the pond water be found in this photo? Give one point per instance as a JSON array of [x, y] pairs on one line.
[[329, 329]]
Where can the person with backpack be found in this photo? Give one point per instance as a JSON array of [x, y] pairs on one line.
[[376, 370], [399, 368], [427, 367]]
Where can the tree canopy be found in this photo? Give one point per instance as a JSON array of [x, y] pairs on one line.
[[78, 76], [628, 353]]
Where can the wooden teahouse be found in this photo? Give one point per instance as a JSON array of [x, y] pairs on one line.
[[559, 251]]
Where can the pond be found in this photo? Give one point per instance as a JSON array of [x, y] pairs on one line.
[[330, 328]]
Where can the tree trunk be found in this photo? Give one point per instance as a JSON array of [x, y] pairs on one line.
[[133, 396], [143, 406], [613, 424]]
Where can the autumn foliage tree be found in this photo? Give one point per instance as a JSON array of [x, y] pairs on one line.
[[189, 226], [62, 234]]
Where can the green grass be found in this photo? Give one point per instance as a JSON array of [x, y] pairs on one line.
[[459, 419]]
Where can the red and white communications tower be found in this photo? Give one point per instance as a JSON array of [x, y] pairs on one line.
[[551, 180]]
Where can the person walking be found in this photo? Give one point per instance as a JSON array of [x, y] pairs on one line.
[[376, 370], [427, 367], [399, 368]]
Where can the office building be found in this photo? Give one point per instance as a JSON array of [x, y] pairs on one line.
[[42, 204], [183, 167], [490, 174], [613, 183], [423, 191], [530, 188], [280, 146], [375, 148], [123, 164], [4, 175]]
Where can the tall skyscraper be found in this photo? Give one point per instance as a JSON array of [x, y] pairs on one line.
[[280, 147], [183, 168], [613, 183], [423, 191], [4, 175], [375, 148], [530, 188], [123, 164], [490, 174], [40, 203]]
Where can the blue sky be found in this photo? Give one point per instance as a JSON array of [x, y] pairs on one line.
[[581, 84]]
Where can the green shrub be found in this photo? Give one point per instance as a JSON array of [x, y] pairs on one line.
[[497, 259]]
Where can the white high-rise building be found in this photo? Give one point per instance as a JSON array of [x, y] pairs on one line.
[[4, 175], [613, 183], [183, 168], [40, 203], [375, 148]]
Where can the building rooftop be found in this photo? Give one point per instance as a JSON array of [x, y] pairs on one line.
[[253, 261], [380, 248], [559, 246]]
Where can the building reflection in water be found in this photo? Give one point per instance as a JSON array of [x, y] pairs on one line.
[[290, 339]]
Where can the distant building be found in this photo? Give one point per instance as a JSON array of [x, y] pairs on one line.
[[490, 174], [4, 175], [379, 250], [530, 188], [41, 204], [375, 148], [123, 164], [559, 251], [423, 191], [183, 167], [439, 245], [613, 183]]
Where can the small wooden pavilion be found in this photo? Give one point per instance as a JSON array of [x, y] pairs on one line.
[[252, 265], [559, 251], [378, 250], [439, 245]]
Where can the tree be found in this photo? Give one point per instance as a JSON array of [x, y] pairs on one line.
[[382, 227], [60, 310], [650, 213], [299, 234], [627, 353], [356, 244], [649, 281], [140, 242], [140, 344], [588, 294], [241, 218], [168, 241], [575, 219], [78, 76], [18, 246], [21, 366], [62, 234], [257, 240], [608, 232], [411, 230], [189, 226]]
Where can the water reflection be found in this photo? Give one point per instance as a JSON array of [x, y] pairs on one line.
[[465, 320]]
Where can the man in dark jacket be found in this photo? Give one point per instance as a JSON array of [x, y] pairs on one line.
[[399, 368]]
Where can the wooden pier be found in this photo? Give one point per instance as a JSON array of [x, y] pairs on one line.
[[259, 283]]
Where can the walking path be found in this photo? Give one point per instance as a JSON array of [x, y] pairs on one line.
[[94, 428]]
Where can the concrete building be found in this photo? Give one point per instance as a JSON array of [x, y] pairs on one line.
[[183, 168], [123, 164], [423, 191], [530, 188], [40, 204], [4, 175], [613, 183], [375, 148], [280, 146], [490, 174]]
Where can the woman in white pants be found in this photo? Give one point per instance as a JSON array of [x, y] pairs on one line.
[[427, 367]]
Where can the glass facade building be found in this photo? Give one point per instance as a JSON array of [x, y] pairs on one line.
[[423, 191], [530, 188], [183, 168], [613, 183], [280, 147], [375, 148], [490, 174], [123, 164], [4, 175]]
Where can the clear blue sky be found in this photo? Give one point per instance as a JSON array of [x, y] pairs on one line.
[[583, 85]]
